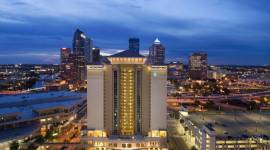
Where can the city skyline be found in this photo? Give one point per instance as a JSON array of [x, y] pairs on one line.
[[134, 75], [230, 32]]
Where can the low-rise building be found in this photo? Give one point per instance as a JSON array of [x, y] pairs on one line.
[[226, 130], [23, 115]]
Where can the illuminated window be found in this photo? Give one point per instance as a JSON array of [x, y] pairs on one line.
[[127, 100]]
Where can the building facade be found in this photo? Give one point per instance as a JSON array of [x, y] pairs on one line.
[[34, 115], [67, 66], [175, 69], [64, 60], [198, 64], [82, 48], [126, 103], [96, 55], [157, 53], [226, 133], [134, 44]]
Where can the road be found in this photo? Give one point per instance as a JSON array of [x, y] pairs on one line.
[[175, 139]]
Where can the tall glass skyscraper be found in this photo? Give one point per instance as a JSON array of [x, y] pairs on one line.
[[67, 66], [96, 55], [134, 44], [82, 49], [157, 53], [82, 45]]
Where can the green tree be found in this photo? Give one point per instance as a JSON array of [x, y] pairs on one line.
[[14, 145], [40, 139], [253, 106], [49, 134], [193, 148], [32, 147]]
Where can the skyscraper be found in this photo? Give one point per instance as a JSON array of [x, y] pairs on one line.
[[88, 50], [126, 103], [64, 61], [82, 48], [134, 44], [67, 66], [64, 53], [198, 66], [96, 55], [157, 53]]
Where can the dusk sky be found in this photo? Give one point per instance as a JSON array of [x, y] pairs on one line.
[[230, 31]]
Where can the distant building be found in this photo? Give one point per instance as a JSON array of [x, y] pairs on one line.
[[64, 52], [175, 69], [82, 45], [126, 103], [226, 130], [88, 49], [96, 55], [198, 66], [82, 48], [31, 114], [67, 67], [134, 44], [215, 74], [64, 60], [157, 53]]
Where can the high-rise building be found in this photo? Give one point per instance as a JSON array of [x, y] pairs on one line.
[[88, 50], [126, 103], [96, 55], [175, 69], [67, 66], [198, 66], [157, 53], [82, 45], [78, 42], [64, 53], [82, 48], [134, 44], [64, 62]]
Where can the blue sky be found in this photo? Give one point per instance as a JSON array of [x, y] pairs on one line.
[[230, 31]]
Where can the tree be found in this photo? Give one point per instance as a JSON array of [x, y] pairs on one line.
[[14, 145], [193, 148], [253, 105], [40, 139], [32, 147], [197, 102], [209, 105], [49, 134]]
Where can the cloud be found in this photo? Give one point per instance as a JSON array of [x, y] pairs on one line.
[[29, 55], [39, 58], [183, 26], [11, 21]]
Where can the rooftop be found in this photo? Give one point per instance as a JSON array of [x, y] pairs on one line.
[[234, 124], [11, 134], [25, 106], [157, 41], [128, 53], [35, 96]]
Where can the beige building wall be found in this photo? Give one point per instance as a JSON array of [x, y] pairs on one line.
[[108, 99], [158, 98], [100, 98], [146, 100], [95, 97]]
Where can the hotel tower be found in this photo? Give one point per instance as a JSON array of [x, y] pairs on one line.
[[126, 106]]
